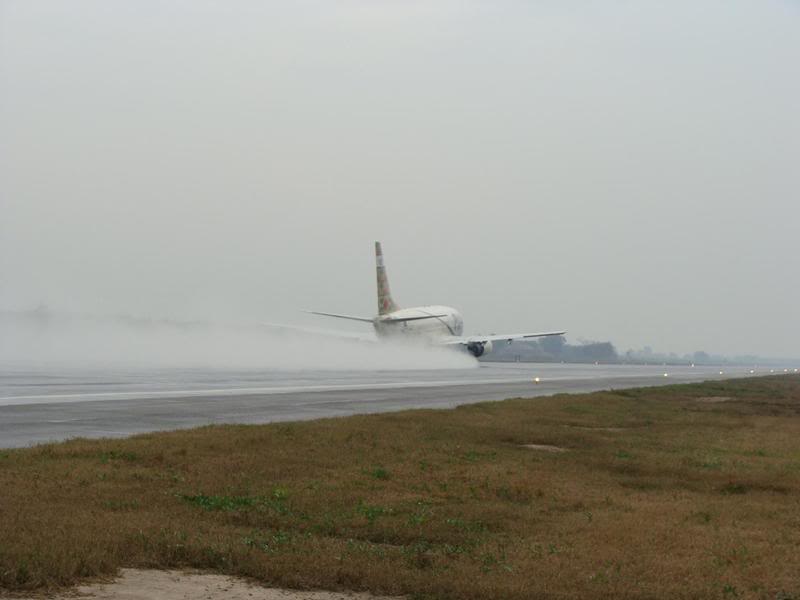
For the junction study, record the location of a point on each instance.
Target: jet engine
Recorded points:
(479, 348)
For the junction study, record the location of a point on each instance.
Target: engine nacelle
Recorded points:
(479, 348)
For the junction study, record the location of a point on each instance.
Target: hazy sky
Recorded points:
(628, 171)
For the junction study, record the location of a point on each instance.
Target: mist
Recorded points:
(79, 341)
(622, 171)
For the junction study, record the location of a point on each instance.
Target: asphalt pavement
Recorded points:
(38, 407)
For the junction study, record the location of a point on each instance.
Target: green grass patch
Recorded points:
(222, 502)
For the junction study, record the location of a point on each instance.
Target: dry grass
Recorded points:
(659, 495)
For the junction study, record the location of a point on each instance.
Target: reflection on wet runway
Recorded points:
(39, 405)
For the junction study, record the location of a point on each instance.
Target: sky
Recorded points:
(626, 171)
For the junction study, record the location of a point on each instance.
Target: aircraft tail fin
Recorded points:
(385, 302)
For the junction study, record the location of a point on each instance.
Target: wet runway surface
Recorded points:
(39, 405)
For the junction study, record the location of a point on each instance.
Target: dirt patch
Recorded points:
(713, 399)
(544, 447)
(586, 428)
(139, 584)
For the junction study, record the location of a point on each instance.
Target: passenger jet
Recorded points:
(438, 325)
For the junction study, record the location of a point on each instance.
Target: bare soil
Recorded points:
(151, 584)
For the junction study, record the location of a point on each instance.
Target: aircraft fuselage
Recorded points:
(438, 323)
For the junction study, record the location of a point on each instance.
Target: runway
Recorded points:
(39, 405)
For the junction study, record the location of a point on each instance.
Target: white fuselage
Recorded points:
(446, 324)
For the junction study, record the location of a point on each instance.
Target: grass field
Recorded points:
(685, 491)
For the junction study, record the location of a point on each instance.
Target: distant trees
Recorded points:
(701, 357)
(590, 352)
(553, 345)
(554, 349)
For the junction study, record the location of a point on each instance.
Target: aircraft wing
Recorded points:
(507, 337)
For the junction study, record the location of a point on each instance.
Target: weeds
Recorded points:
(268, 543)
(734, 488)
(379, 473)
(117, 455)
(372, 512)
(228, 503)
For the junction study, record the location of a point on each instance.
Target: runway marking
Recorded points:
(264, 390)
(101, 396)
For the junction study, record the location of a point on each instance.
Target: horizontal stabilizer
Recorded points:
(349, 317)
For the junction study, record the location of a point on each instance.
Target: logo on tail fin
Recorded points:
(385, 302)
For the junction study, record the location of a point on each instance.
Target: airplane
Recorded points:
(437, 325)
